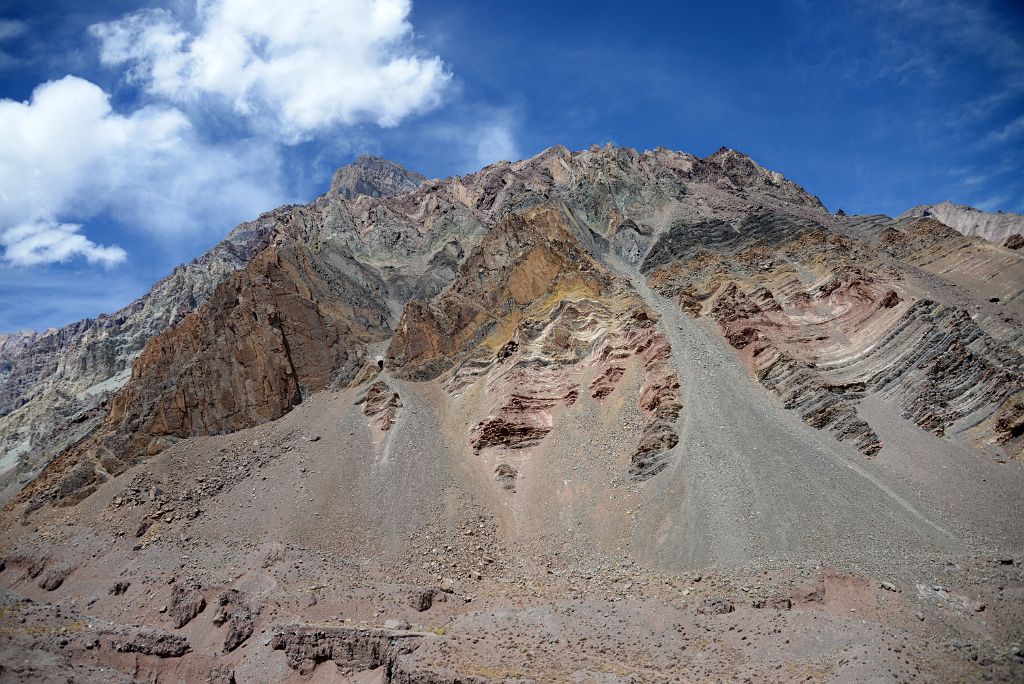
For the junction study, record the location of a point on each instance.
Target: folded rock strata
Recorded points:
(823, 319)
(499, 278)
(529, 313)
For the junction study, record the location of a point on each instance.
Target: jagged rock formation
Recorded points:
(268, 336)
(529, 310)
(997, 227)
(59, 381)
(373, 177)
(722, 235)
(823, 319)
(358, 649)
(55, 385)
(409, 247)
(590, 407)
(380, 405)
(353, 649)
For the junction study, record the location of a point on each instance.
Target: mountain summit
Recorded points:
(595, 416)
(373, 177)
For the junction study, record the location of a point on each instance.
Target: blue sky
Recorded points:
(135, 135)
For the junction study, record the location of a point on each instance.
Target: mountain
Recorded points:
(54, 386)
(997, 227)
(373, 177)
(592, 416)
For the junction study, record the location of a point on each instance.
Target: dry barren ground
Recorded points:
(310, 550)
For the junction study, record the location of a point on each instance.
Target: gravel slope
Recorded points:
(759, 483)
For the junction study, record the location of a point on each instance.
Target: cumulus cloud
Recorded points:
(293, 69)
(47, 242)
(66, 153)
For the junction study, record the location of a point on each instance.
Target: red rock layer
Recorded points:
(380, 405)
(823, 319)
(529, 313)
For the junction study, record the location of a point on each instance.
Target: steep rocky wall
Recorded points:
(530, 316)
(414, 245)
(55, 387)
(286, 325)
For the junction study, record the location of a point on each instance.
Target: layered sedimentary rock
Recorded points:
(995, 227)
(381, 405)
(501, 280)
(531, 312)
(469, 429)
(823, 319)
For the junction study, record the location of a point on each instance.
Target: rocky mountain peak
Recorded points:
(373, 177)
(742, 173)
(651, 389)
(997, 227)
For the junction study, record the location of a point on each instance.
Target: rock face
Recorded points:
(529, 311)
(503, 285)
(995, 227)
(590, 416)
(373, 177)
(357, 650)
(151, 642)
(381, 404)
(348, 647)
(186, 603)
(55, 385)
(821, 320)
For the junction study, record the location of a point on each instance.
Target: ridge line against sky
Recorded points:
(138, 134)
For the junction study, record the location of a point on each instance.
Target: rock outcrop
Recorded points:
(530, 310)
(380, 405)
(824, 319)
(373, 177)
(593, 415)
(500, 281)
(349, 647)
(356, 650)
(55, 385)
(996, 227)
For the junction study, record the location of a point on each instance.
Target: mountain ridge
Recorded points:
(593, 407)
(998, 227)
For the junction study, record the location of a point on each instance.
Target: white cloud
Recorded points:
(67, 155)
(47, 242)
(293, 69)
(495, 143)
